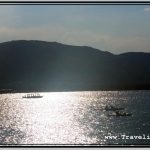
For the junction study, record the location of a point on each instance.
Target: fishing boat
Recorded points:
(119, 114)
(35, 95)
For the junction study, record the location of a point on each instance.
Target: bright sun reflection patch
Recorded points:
(52, 120)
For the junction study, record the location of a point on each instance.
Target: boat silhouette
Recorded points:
(119, 114)
(32, 96)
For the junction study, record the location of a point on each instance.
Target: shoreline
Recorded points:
(9, 91)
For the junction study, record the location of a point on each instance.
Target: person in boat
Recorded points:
(106, 107)
(118, 113)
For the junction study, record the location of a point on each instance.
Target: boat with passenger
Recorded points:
(32, 95)
(118, 114)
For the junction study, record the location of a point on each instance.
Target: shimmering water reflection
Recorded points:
(72, 117)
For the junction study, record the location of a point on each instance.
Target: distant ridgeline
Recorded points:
(51, 66)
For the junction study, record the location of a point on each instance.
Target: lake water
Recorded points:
(75, 118)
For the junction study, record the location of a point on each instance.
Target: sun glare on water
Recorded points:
(53, 120)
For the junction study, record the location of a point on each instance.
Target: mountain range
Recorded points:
(51, 66)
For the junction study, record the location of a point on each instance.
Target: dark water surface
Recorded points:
(75, 118)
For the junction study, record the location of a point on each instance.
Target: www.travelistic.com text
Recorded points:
(127, 137)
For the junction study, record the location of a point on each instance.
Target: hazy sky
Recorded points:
(114, 28)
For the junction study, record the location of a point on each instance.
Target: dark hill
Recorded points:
(51, 66)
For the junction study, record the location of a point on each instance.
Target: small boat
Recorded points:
(118, 114)
(32, 96)
(112, 108)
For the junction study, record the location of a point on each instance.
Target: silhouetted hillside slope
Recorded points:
(51, 66)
